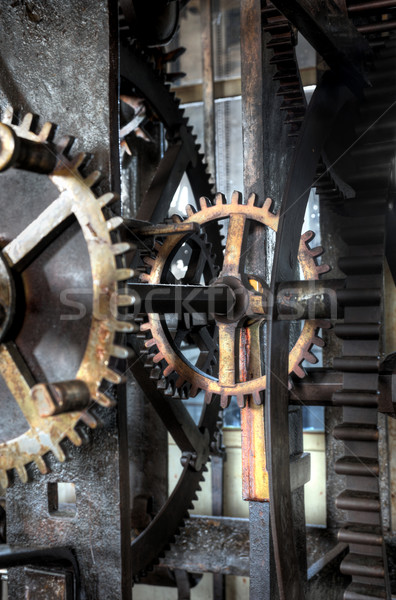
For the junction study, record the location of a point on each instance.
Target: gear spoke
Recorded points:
(227, 358)
(21, 246)
(233, 250)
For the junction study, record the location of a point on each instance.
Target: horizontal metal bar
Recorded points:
(179, 299)
(295, 300)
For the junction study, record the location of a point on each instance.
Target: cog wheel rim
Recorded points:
(76, 198)
(176, 363)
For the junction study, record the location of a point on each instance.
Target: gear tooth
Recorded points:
(114, 223)
(318, 251)
(203, 202)
(64, 145)
(7, 118)
(113, 377)
(73, 436)
(169, 390)
(220, 199)
(177, 219)
(311, 358)
(194, 390)
(119, 352)
(190, 210)
(208, 397)
(47, 132)
(267, 204)
(236, 197)
(92, 178)
(150, 343)
(104, 400)
(168, 370)
(149, 261)
(27, 122)
(145, 327)
(257, 398)
(252, 200)
(299, 371)
(158, 357)
(162, 383)
(144, 277)
(307, 236)
(22, 472)
(58, 452)
(155, 373)
(40, 464)
(321, 269)
(318, 341)
(88, 419)
(125, 326)
(124, 274)
(224, 400)
(4, 480)
(80, 160)
(241, 400)
(179, 381)
(149, 362)
(125, 300)
(122, 248)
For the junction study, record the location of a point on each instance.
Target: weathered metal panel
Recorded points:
(59, 60)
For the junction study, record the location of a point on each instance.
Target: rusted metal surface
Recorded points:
(216, 545)
(41, 584)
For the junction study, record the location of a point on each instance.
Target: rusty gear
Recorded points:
(75, 199)
(166, 350)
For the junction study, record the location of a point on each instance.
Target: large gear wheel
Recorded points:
(48, 428)
(167, 351)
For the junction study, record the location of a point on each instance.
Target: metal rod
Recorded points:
(21, 153)
(295, 300)
(374, 5)
(179, 299)
(208, 85)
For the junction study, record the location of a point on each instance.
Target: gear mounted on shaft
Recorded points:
(227, 385)
(53, 411)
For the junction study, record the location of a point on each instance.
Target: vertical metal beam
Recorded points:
(267, 158)
(208, 85)
(262, 580)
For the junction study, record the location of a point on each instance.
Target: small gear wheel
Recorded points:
(161, 343)
(53, 409)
